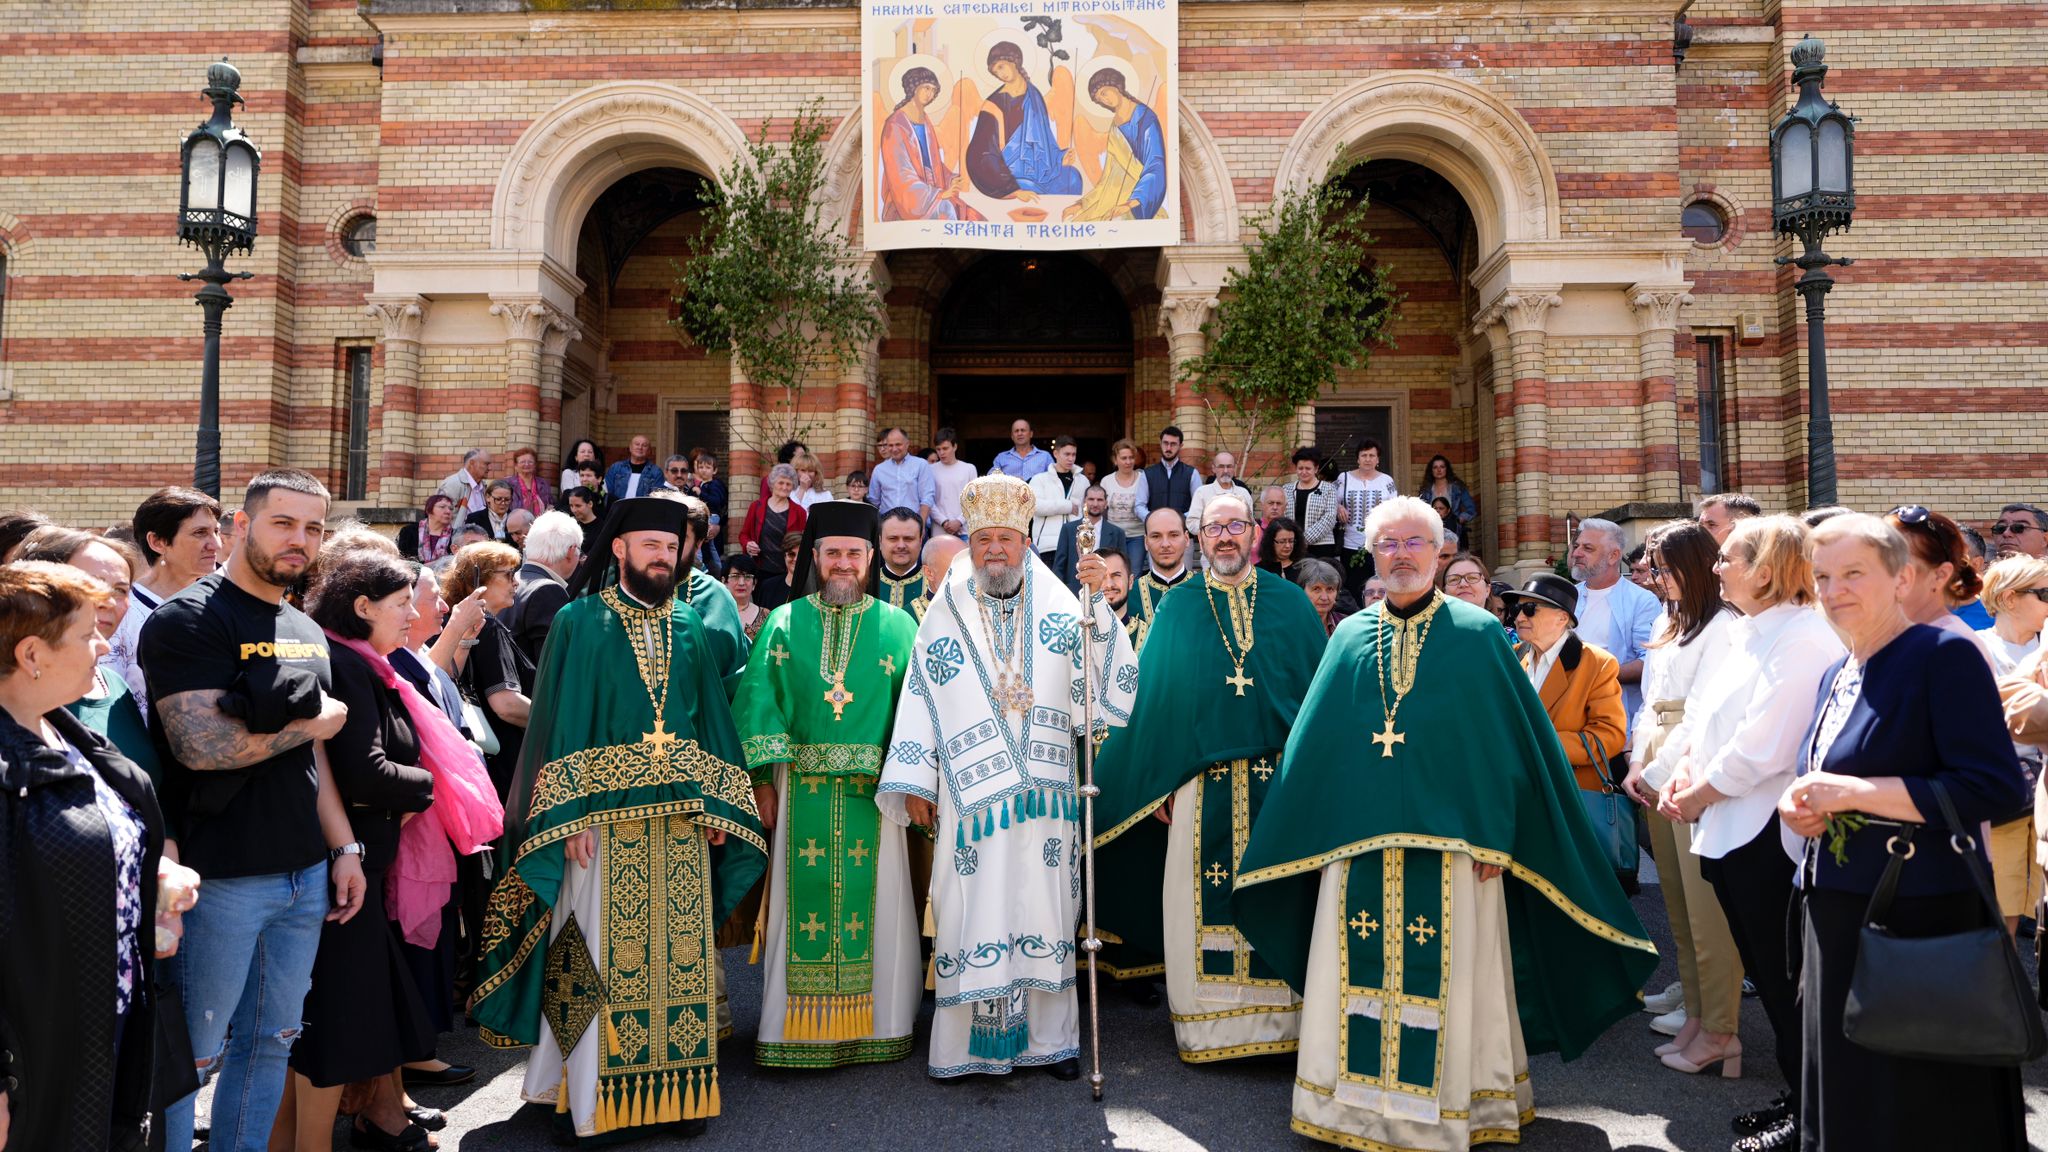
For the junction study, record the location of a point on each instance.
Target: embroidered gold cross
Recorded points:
(854, 926)
(1365, 924)
(1263, 770)
(661, 738)
(812, 927)
(1387, 739)
(859, 852)
(1421, 930)
(838, 697)
(1217, 875)
(888, 664)
(1218, 771)
(810, 853)
(1241, 680)
(778, 654)
(814, 781)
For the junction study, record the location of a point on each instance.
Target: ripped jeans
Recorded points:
(246, 960)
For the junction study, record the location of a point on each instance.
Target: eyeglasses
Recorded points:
(1467, 581)
(1388, 547)
(2040, 594)
(1910, 514)
(2010, 529)
(1234, 527)
(1656, 572)
(1526, 608)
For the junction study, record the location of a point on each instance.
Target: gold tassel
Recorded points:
(562, 1094)
(648, 1109)
(711, 1106)
(605, 1120)
(693, 1105)
(639, 1110)
(671, 1101)
(611, 1035)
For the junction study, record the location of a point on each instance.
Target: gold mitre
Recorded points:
(998, 501)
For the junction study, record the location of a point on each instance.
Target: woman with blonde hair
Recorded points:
(810, 486)
(2016, 595)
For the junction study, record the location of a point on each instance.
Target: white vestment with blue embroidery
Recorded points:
(1006, 875)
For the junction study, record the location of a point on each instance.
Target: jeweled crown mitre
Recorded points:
(998, 501)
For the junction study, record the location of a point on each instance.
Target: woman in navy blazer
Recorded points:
(1909, 706)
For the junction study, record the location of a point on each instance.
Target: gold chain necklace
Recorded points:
(837, 651)
(1013, 691)
(652, 638)
(1243, 607)
(1403, 674)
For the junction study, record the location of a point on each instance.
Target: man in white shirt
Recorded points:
(950, 476)
(1225, 466)
(1614, 614)
(466, 486)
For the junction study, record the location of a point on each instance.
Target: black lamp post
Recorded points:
(216, 214)
(1813, 193)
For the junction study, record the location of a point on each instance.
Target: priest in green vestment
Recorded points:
(1166, 568)
(1424, 875)
(843, 973)
(635, 832)
(902, 576)
(1225, 666)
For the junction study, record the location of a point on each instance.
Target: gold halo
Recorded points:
(1025, 44)
(894, 91)
(1096, 113)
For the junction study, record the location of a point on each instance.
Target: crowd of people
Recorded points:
(343, 791)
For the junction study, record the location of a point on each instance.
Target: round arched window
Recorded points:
(359, 236)
(1704, 222)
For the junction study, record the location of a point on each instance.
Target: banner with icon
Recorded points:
(1020, 124)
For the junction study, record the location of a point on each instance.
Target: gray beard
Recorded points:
(1227, 567)
(1001, 581)
(841, 592)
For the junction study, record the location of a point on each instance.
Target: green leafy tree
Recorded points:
(769, 280)
(1308, 303)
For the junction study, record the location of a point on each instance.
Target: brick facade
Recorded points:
(1555, 364)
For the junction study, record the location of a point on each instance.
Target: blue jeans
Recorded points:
(247, 959)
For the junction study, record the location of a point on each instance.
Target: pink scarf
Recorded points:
(465, 816)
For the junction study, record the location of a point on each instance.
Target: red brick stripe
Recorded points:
(435, 197)
(1978, 82)
(1947, 270)
(432, 133)
(1965, 143)
(1950, 466)
(1631, 53)
(1985, 335)
(179, 103)
(1601, 118)
(1942, 17)
(1973, 205)
(90, 163)
(1922, 401)
(665, 66)
(1616, 185)
(153, 42)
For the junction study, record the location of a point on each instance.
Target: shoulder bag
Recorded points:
(1612, 814)
(1962, 998)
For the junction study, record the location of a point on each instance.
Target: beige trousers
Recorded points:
(1708, 966)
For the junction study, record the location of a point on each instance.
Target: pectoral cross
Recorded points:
(1217, 875)
(1013, 693)
(661, 738)
(859, 853)
(838, 697)
(888, 664)
(811, 852)
(778, 654)
(1387, 739)
(1241, 680)
(1421, 930)
(812, 926)
(1365, 924)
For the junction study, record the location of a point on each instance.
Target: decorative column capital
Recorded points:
(559, 335)
(402, 316)
(1182, 312)
(1528, 309)
(1657, 305)
(529, 318)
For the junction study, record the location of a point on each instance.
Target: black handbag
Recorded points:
(1961, 998)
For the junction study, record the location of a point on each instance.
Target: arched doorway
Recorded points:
(1042, 337)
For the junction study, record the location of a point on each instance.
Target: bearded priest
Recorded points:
(842, 974)
(984, 751)
(1435, 894)
(1221, 678)
(635, 833)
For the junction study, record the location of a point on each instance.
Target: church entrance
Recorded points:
(1044, 338)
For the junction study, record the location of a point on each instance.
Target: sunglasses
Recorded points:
(1526, 608)
(2013, 529)
(2040, 594)
(1910, 514)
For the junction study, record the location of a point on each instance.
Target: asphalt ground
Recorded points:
(1615, 1097)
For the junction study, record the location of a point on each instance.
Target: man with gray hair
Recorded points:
(1618, 616)
(517, 525)
(2021, 530)
(554, 546)
(466, 486)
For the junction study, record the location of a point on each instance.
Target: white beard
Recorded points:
(1000, 580)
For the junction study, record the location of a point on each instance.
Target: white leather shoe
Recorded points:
(1669, 1023)
(1658, 1003)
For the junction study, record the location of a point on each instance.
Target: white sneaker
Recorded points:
(1658, 1003)
(1669, 1024)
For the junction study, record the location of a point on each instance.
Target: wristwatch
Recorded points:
(355, 849)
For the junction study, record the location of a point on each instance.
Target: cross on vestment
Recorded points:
(1218, 771)
(1421, 930)
(660, 738)
(1365, 924)
(811, 853)
(778, 654)
(838, 697)
(1388, 738)
(854, 926)
(812, 926)
(859, 852)
(1263, 770)
(1216, 875)
(888, 664)
(1241, 680)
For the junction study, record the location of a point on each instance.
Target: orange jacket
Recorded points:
(1582, 693)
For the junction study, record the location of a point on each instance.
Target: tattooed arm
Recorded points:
(205, 739)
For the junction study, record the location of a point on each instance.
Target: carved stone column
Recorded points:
(1523, 312)
(1657, 308)
(527, 321)
(1506, 504)
(1182, 312)
(402, 318)
(856, 398)
(745, 427)
(554, 350)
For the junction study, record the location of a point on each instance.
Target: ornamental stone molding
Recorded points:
(532, 320)
(403, 317)
(569, 156)
(1182, 312)
(1519, 311)
(1462, 132)
(1657, 308)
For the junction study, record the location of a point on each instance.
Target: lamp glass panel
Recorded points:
(238, 190)
(202, 174)
(1795, 160)
(1834, 157)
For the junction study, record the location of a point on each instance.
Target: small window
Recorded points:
(356, 480)
(1704, 223)
(359, 236)
(1711, 375)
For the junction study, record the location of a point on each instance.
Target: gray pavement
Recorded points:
(1616, 1097)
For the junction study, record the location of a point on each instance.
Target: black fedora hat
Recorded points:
(1551, 589)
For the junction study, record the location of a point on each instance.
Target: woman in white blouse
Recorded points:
(1689, 648)
(1741, 750)
(810, 488)
(2016, 595)
(1130, 499)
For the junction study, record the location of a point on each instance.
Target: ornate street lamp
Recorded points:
(1813, 193)
(217, 215)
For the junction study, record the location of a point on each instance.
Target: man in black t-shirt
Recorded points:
(238, 685)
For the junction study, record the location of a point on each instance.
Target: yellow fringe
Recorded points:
(711, 1106)
(693, 1105)
(562, 1094)
(611, 1036)
(605, 1119)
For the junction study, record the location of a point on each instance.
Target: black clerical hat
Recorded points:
(639, 514)
(1549, 588)
(838, 518)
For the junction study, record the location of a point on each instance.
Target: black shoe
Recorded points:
(446, 1078)
(432, 1119)
(363, 1134)
(1068, 1069)
(1750, 1123)
(1142, 993)
(1780, 1137)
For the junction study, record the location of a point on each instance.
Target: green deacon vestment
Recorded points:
(1195, 722)
(842, 970)
(630, 737)
(1472, 768)
(900, 592)
(1147, 593)
(722, 627)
